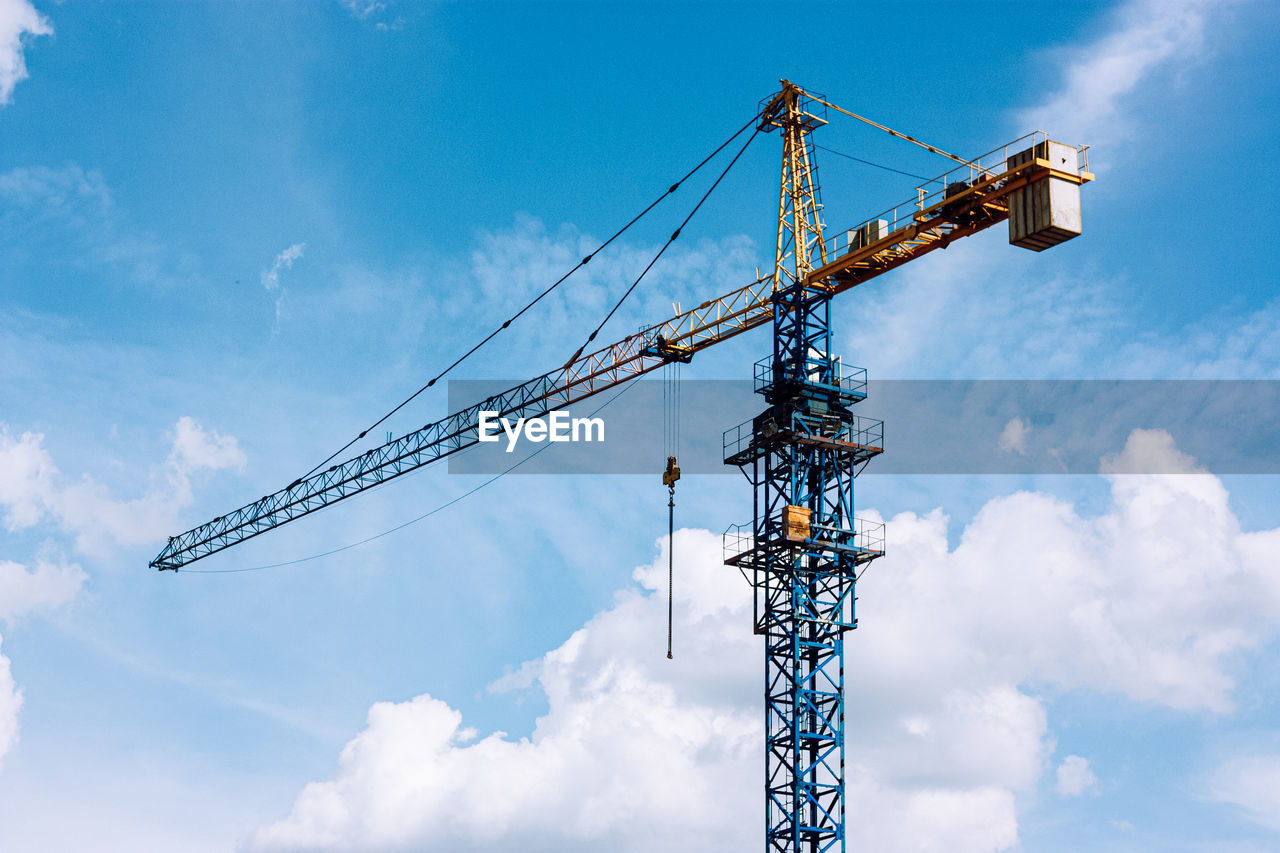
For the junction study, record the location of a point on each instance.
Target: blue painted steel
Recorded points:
(804, 451)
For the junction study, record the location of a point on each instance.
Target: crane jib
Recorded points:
(982, 203)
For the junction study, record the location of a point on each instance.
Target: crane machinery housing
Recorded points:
(804, 549)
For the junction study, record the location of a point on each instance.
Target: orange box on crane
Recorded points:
(796, 524)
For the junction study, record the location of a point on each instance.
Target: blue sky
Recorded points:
(231, 234)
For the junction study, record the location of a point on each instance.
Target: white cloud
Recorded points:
(48, 585)
(284, 260)
(22, 590)
(1013, 439)
(271, 275)
(30, 492)
(363, 9)
(26, 487)
(1150, 600)
(930, 820)
(1075, 776)
(1149, 36)
(18, 19)
(10, 705)
(30, 495)
(1253, 783)
(631, 735)
(195, 449)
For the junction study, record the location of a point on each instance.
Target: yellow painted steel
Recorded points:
(982, 205)
(929, 226)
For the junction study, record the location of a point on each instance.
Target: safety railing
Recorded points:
(737, 540)
(818, 370)
(866, 536)
(738, 438)
(989, 165)
(863, 432)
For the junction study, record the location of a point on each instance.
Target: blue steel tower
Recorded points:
(804, 548)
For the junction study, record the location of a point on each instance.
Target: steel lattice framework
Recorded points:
(804, 546)
(803, 452)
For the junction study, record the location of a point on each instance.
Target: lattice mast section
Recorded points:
(804, 547)
(799, 241)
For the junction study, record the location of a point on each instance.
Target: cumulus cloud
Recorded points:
(26, 487)
(1253, 783)
(10, 705)
(1148, 36)
(47, 585)
(945, 728)
(631, 735)
(19, 21)
(195, 449)
(31, 491)
(1151, 600)
(1075, 776)
(23, 590)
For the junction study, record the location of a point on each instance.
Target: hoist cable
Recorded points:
(586, 260)
(675, 234)
(671, 560)
(402, 526)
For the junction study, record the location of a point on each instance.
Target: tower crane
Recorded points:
(804, 549)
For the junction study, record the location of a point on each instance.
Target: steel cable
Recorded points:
(586, 260)
(675, 234)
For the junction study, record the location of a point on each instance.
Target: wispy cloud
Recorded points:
(1251, 782)
(271, 275)
(363, 9)
(1148, 37)
(44, 208)
(19, 20)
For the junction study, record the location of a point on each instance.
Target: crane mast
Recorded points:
(804, 549)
